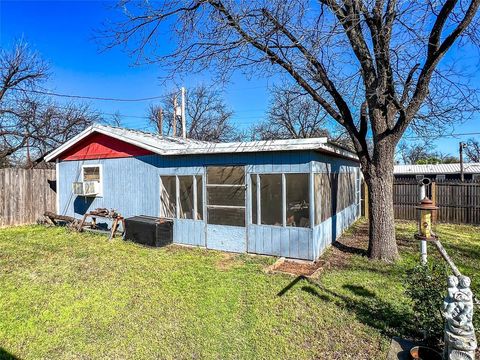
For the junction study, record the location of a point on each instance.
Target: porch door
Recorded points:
(225, 205)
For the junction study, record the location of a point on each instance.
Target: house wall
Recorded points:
(132, 187)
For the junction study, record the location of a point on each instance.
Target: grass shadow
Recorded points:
(5, 355)
(349, 249)
(368, 308)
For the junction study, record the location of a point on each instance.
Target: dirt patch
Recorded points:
(297, 268)
(226, 261)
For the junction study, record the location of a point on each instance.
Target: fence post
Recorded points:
(434, 200)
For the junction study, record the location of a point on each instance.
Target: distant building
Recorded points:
(438, 172)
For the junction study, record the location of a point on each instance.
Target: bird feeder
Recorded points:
(425, 223)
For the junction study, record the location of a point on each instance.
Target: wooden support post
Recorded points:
(80, 226)
(365, 199)
(445, 256)
(114, 228)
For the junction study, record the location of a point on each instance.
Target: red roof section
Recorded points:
(100, 146)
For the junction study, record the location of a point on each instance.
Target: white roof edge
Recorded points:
(191, 147)
(422, 169)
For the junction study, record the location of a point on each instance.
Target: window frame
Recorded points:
(100, 173)
(195, 181)
(257, 197)
(209, 186)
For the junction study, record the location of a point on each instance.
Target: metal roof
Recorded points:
(468, 168)
(166, 145)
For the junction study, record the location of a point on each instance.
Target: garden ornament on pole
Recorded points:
(459, 333)
(425, 231)
(422, 187)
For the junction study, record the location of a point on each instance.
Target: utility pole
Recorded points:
(462, 176)
(160, 121)
(184, 127)
(175, 116)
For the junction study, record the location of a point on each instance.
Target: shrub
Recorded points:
(426, 286)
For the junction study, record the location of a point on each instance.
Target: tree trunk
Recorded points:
(379, 178)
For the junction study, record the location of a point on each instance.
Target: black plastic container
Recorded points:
(148, 230)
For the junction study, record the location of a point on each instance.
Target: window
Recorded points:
(93, 173)
(440, 178)
(226, 195)
(476, 177)
(190, 197)
(298, 207)
(168, 196)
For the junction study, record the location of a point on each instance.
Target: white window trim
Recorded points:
(100, 168)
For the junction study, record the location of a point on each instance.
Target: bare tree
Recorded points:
(292, 115)
(20, 70)
(208, 117)
(30, 124)
(473, 150)
(423, 153)
(415, 152)
(376, 67)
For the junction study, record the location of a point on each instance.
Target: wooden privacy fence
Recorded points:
(458, 202)
(25, 195)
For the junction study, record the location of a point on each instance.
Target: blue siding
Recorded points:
(279, 241)
(189, 232)
(227, 238)
(331, 229)
(132, 186)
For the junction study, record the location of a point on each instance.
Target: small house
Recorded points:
(438, 172)
(288, 198)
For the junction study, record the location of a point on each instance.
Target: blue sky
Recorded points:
(62, 32)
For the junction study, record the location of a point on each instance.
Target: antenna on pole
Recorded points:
(175, 116)
(184, 127)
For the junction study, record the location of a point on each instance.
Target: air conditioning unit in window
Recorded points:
(86, 188)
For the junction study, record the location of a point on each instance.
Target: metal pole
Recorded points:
(175, 116)
(423, 243)
(462, 177)
(184, 129)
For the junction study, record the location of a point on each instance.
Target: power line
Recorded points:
(442, 135)
(87, 97)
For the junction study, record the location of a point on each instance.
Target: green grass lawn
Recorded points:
(68, 295)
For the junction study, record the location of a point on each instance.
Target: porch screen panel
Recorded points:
(271, 199)
(298, 207)
(346, 190)
(253, 195)
(199, 198)
(168, 196)
(186, 205)
(323, 197)
(226, 195)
